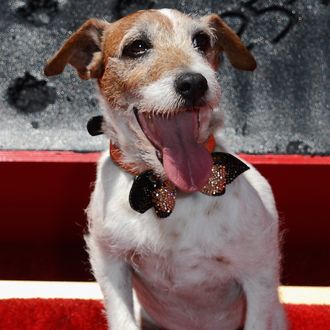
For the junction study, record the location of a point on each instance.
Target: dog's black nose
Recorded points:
(191, 86)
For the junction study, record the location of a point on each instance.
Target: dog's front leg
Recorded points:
(264, 311)
(117, 291)
(114, 278)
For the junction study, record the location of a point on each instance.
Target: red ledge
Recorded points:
(91, 157)
(26, 156)
(271, 159)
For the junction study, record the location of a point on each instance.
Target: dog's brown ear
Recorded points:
(82, 50)
(229, 42)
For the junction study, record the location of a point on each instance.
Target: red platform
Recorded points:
(44, 194)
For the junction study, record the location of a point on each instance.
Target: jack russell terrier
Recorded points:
(182, 234)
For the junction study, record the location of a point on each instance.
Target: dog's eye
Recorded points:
(136, 48)
(201, 41)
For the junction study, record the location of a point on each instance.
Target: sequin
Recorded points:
(163, 199)
(216, 185)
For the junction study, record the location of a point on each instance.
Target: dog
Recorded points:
(179, 238)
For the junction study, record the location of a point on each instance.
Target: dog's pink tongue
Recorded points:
(187, 163)
(189, 172)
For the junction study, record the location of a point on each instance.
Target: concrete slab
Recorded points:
(283, 107)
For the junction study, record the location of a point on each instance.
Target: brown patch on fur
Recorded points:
(123, 76)
(111, 82)
(171, 59)
(116, 32)
(222, 260)
(79, 51)
(112, 87)
(229, 42)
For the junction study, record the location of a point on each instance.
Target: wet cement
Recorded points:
(283, 107)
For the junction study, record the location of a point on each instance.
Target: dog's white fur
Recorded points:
(214, 263)
(200, 264)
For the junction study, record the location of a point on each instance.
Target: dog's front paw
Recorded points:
(277, 321)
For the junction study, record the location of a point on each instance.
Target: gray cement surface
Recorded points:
(283, 107)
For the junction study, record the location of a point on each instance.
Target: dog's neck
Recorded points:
(117, 157)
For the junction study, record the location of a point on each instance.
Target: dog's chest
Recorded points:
(189, 245)
(186, 250)
(180, 271)
(185, 281)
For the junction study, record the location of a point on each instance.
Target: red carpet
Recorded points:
(75, 314)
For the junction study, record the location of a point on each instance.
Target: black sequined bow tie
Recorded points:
(149, 190)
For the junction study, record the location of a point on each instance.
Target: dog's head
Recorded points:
(156, 71)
